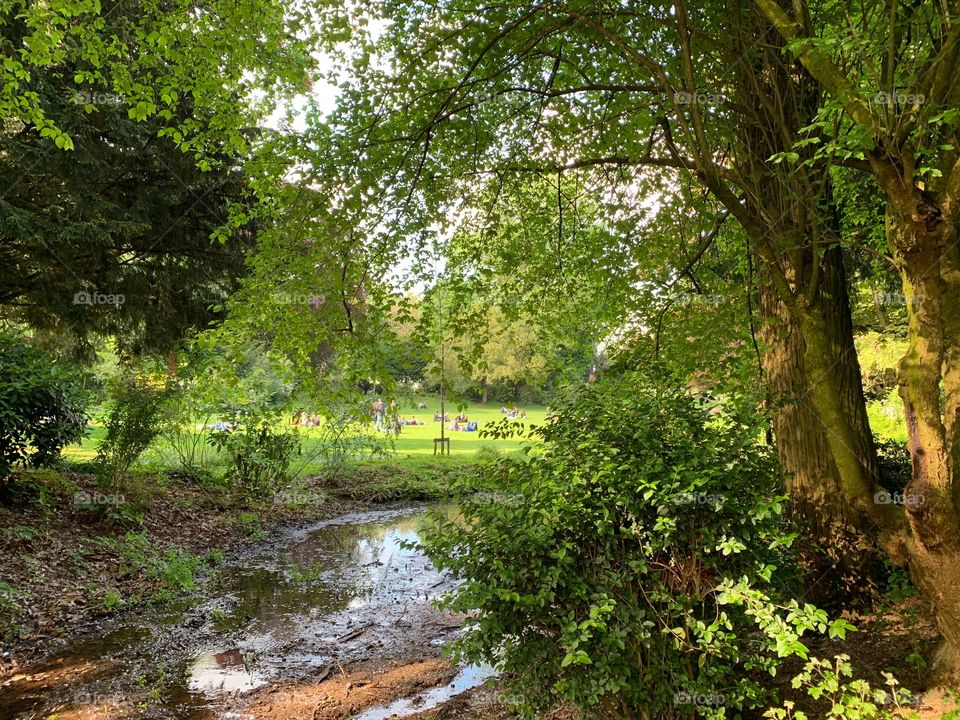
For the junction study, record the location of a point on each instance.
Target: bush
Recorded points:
(133, 423)
(186, 432)
(260, 457)
(344, 436)
(42, 406)
(837, 696)
(627, 565)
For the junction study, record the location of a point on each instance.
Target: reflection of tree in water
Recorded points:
(346, 563)
(346, 539)
(268, 595)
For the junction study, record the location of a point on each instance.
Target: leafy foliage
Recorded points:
(842, 698)
(260, 456)
(153, 58)
(895, 464)
(42, 405)
(113, 238)
(133, 423)
(624, 564)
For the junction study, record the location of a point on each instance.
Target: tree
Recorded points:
(114, 237)
(900, 118)
(500, 357)
(122, 128)
(580, 95)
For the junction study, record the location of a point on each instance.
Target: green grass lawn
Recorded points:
(414, 445)
(417, 440)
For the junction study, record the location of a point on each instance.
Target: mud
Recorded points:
(324, 622)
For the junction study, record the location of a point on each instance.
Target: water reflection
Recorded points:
(338, 591)
(469, 677)
(228, 671)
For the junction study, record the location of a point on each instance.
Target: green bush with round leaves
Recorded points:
(42, 405)
(628, 564)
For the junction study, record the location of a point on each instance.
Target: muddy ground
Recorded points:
(55, 551)
(313, 618)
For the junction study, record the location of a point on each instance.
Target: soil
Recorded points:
(350, 692)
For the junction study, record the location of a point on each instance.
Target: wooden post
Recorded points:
(443, 439)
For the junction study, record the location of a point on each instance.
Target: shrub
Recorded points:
(840, 697)
(42, 405)
(133, 423)
(627, 564)
(259, 456)
(343, 437)
(186, 432)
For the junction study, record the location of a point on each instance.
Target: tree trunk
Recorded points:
(922, 223)
(929, 389)
(844, 552)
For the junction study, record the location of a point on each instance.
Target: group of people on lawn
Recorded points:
(514, 413)
(386, 418)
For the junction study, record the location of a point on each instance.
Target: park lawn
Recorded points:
(417, 440)
(414, 445)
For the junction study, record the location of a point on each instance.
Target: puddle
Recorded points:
(310, 600)
(469, 677)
